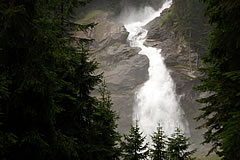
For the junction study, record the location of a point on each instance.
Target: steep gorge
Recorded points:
(125, 71)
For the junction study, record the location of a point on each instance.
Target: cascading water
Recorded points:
(156, 101)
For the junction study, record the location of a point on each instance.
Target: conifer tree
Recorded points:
(46, 77)
(222, 69)
(178, 147)
(158, 152)
(106, 138)
(133, 145)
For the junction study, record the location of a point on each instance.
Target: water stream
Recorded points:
(156, 102)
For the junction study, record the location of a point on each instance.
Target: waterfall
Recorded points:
(156, 102)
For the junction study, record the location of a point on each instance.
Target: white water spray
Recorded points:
(156, 101)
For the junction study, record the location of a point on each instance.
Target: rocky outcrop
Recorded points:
(183, 63)
(124, 69)
(124, 72)
(177, 53)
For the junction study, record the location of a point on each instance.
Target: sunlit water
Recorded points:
(156, 102)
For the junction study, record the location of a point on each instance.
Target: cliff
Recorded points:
(125, 70)
(183, 62)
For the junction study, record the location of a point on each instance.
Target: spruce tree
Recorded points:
(133, 145)
(46, 77)
(105, 136)
(222, 79)
(158, 152)
(178, 147)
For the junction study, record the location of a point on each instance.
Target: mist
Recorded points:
(156, 102)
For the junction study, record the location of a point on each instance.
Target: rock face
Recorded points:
(125, 70)
(176, 52)
(183, 63)
(156, 4)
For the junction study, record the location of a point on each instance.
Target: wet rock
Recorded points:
(124, 69)
(124, 72)
(183, 63)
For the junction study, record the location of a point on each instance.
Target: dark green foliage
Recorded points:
(178, 147)
(46, 77)
(222, 81)
(158, 152)
(189, 22)
(106, 138)
(133, 145)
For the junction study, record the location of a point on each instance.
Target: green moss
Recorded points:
(90, 16)
(181, 67)
(202, 156)
(168, 18)
(114, 65)
(117, 44)
(211, 157)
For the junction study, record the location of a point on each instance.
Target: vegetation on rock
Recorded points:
(186, 17)
(46, 79)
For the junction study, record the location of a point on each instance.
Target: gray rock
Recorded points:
(183, 63)
(125, 71)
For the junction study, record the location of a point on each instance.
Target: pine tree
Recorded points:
(222, 105)
(133, 146)
(105, 136)
(158, 152)
(178, 147)
(46, 77)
